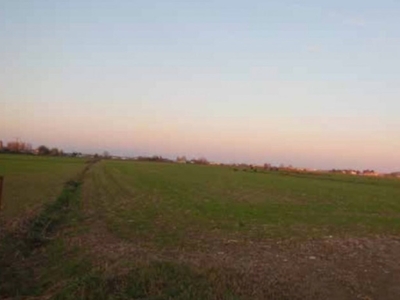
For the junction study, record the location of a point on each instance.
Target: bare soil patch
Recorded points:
(329, 268)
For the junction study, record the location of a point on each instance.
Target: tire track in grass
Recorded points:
(24, 246)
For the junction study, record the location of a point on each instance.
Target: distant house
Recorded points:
(181, 160)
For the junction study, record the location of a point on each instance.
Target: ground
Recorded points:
(163, 231)
(30, 181)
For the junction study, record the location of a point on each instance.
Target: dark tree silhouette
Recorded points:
(43, 150)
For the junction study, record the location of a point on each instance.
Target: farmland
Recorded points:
(167, 202)
(142, 230)
(31, 181)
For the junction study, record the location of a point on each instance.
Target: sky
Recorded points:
(309, 83)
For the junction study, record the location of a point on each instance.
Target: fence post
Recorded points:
(1, 191)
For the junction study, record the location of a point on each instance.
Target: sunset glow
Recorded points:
(313, 85)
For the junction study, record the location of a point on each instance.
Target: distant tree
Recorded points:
(368, 171)
(267, 166)
(43, 150)
(28, 147)
(13, 146)
(106, 154)
(54, 152)
(200, 161)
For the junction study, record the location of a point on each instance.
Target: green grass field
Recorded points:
(171, 203)
(31, 181)
(140, 230)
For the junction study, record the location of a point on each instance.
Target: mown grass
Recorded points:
(170, 203)
(30, 181)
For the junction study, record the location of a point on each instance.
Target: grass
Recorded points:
(30, 181)
(35, 261)
(21, 246)
(169, 203)
(139, 230)
(153, 281)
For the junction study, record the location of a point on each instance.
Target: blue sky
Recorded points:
(298, 82)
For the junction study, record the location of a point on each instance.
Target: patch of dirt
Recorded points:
(329, 268)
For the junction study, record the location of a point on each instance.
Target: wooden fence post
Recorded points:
(1, 191)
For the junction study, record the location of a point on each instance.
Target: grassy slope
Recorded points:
(31, 181)
(169, 203)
